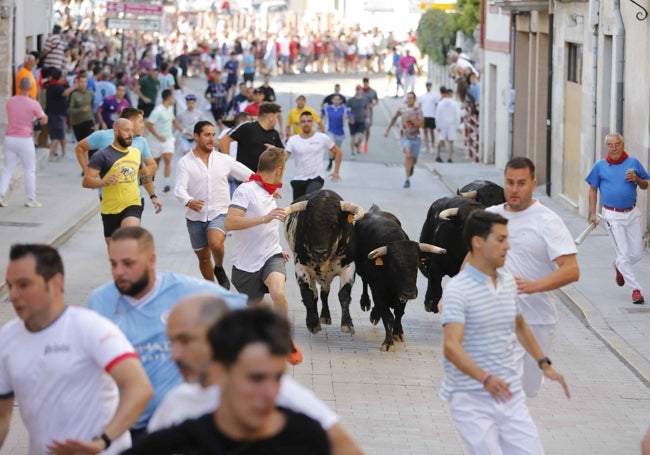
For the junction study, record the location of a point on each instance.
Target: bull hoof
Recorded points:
(365, 303)
(314, 329)
(387, 347)
(347, 329)
(374, 320)
(325, 320)
(431, 307)
(398, 337)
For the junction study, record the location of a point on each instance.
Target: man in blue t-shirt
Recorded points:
(618, 176)
(335, 115)
(139, 300)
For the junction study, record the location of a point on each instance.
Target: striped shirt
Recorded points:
(55, 49)
(488, 314)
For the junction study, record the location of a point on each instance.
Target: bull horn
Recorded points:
(297, 207)
(428, 248)
(445, 214)
(381, 251)
(353, 208)
(469, 194)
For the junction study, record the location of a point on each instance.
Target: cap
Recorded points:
(190, 97)
(359, 87)
(258, 90)
(428, 84)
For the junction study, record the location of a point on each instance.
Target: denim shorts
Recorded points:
(198, 231)
(412, 144)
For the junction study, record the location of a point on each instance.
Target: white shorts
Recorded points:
(159, 148)
(488, 427)
(447, 133)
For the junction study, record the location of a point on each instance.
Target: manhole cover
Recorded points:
(637, 310)
(18, 224)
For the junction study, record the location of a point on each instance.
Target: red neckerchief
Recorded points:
(271, 188)
(618, 161)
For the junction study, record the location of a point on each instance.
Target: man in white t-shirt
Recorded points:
(308, 149)
(202, 186)
(161, 124)
(64, 365)
(187, 327)
(542, 257)
(257, 257)
(429, 103)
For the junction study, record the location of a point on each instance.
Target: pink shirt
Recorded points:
(21, 111)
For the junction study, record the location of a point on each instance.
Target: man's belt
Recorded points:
(614, 209)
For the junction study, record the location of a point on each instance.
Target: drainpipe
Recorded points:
(619, 45)
(549, 101)
(594, 22)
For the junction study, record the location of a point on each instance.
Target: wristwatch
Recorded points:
(544, 360)
(104, 437)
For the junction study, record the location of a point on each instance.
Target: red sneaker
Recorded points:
(365, 147)
(619, 278)
(637, 297)
(295, 356)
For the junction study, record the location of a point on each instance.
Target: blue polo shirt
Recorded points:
(615, 191)
(335, 119)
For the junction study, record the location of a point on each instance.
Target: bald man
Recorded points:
(187, 327)
(115, 170)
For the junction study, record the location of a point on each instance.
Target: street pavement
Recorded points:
(388, 401)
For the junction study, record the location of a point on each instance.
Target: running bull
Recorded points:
(444, 227)
(388, 262)
(484, 192)
(320, 231)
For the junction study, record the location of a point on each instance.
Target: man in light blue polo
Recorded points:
(481, 322)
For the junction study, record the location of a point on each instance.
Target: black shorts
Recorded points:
(217, 113)
(231, 83)
(83, 130)
(56, 124)
(249, 77)
(113, 221)
(430, 123)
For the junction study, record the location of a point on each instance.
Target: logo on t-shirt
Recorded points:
(164, 316)
(56, 348)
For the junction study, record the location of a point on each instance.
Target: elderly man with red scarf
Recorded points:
(254, 218)
(618, 176)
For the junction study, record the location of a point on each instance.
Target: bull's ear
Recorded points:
(379, 261)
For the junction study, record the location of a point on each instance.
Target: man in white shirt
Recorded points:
(308, 149)
(202, 186)
(188, 118)
(64, 365)
(429, 103)
(257, 256)
(187, 327)
(447, 122)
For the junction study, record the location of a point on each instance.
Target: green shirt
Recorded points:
(78, 100)
(149, 88)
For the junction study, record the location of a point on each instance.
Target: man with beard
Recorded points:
(187, 328)
(115, 170)
(139, 301)
(202, 186)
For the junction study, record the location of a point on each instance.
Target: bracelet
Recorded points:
(154, 195)
(486, 378)
(104, 437)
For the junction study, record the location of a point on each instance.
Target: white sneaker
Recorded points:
(33, 204)
(3, 203)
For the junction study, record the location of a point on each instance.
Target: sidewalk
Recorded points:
(603, 307)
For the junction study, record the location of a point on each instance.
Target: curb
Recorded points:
(590, 318)
(63, 237)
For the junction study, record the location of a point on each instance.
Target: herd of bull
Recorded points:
(331, 237)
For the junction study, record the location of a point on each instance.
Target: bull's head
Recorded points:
(402, 259)
(325, 224)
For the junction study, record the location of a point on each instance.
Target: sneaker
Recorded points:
(3, 203)
(637, 297)
(295, 356)
(439, 160)
(166, 189)
(449, 160)
(619, 277)
(33, 203)
(222, 278)
(407, 184)
(365, 147)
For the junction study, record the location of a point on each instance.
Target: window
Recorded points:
(574, 63)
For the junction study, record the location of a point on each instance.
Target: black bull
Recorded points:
(388, 261)
(319, 230)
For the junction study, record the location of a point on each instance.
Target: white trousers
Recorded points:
(409, 83)
(625, 231)
(19, 148)
(531, 375)
(491, 428)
